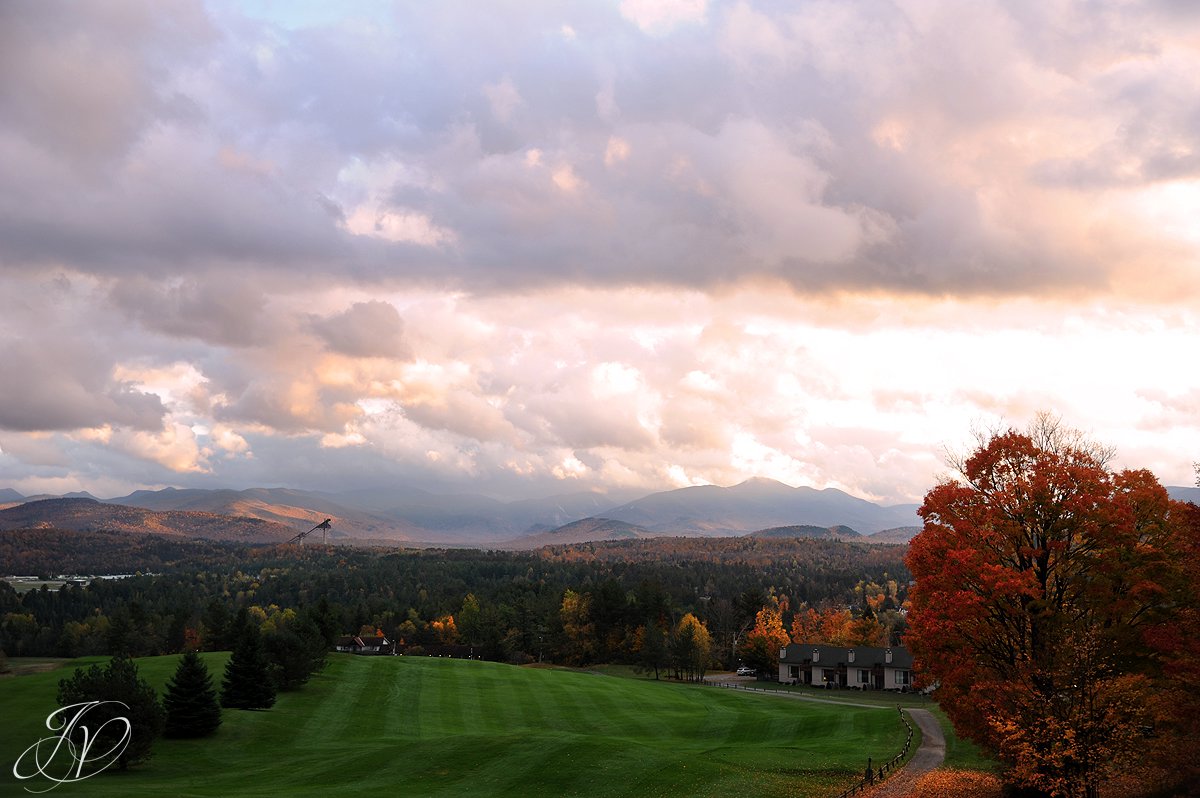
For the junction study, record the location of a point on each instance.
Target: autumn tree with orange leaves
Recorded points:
(1041, 575)
(691, 649)
(760, 649)
(837, 626)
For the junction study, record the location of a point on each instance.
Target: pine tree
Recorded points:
(191, 701)
(216, 623)
(118, 682)
(247, 683)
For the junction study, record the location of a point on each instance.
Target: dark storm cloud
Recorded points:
(219, 310)
(365, 329)
(84, 81)
(62, 386)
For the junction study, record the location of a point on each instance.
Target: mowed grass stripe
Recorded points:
(330, 719)
(511, 714)
(621, 711)
(539, 692)
(475, 712)
(402, 703)
(520, 698)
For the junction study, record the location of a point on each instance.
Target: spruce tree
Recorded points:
(247, 683)
(190, 700)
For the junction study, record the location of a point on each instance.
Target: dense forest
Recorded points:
(591, 602)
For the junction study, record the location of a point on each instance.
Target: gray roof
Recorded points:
(832, 656)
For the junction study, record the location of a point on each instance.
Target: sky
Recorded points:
(526, 248)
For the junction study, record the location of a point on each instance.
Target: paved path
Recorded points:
(929, 756)
(748, 690)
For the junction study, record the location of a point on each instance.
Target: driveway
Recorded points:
(929, 756)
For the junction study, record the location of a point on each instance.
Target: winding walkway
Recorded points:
(929, 756)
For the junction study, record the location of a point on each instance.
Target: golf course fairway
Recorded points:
(415, 726)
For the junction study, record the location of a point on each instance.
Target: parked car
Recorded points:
(746, 670)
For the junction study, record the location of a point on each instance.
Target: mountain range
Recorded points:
(415, 516)
(404, 515)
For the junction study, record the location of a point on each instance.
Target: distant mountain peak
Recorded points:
(585, 530)
(758, 483)
(836, 532)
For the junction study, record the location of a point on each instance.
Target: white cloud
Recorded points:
(174, 448)
(503, 98)
(403, 226)
(565, 178)
(659, 17)
(615, 151)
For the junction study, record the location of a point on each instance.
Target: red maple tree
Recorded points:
(1041, 575)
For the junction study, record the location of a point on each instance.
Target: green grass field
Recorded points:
(961, 753)
(418, 727)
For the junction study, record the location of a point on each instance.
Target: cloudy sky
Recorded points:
(528, 247)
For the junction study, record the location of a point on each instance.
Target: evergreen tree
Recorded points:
(326, 620)
(652, 652)
(118, 682)
(296, 651)
(120, 633)
(190, 700)
(216, 621)
(247, 683)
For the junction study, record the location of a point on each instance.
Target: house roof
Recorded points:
(832, 656)
(374, 640)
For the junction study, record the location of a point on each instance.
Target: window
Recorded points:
(864, 676)
(850, 655)
(887, 655)
(904, 677)
(794, 672)
(816, 655)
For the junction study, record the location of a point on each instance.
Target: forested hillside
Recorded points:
(89, 514)
(581, 603)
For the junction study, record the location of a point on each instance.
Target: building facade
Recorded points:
(859, 667)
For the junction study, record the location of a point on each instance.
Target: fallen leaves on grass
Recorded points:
(956, 784)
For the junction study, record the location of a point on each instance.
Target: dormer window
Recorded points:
(850, 655)
(816, 655)
(783, 653)
(887, 655)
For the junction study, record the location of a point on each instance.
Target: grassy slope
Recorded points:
(420, 726)
(961, 753)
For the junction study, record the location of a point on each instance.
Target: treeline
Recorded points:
(50, 552)
(123, 712)
(579, 604)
